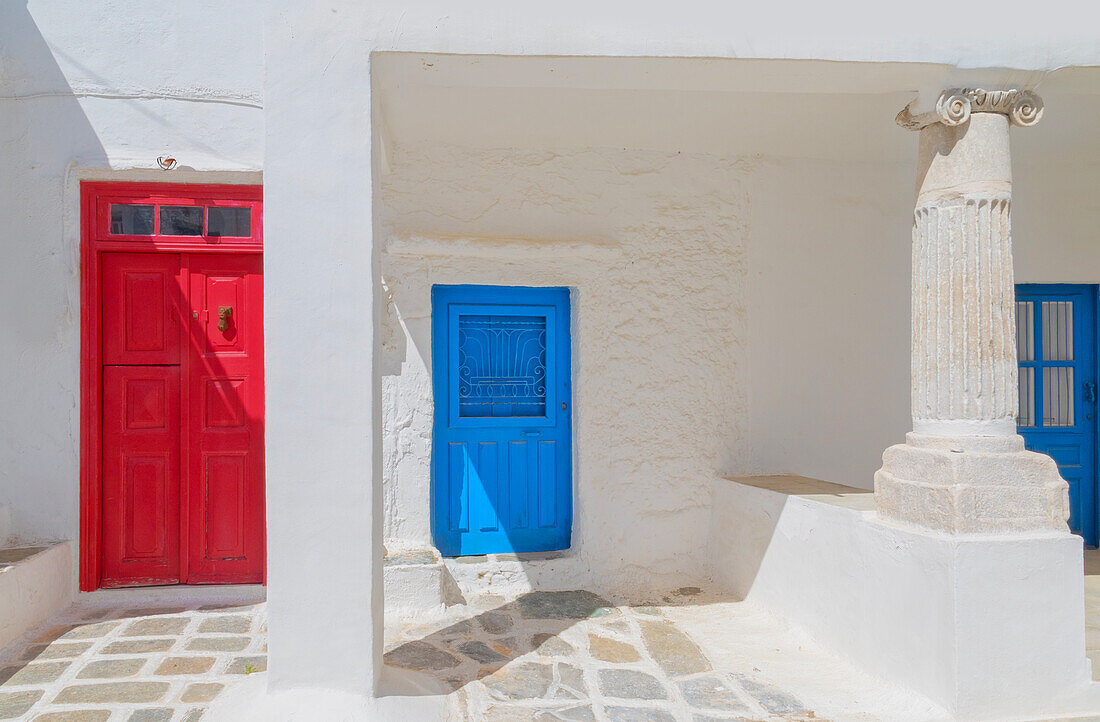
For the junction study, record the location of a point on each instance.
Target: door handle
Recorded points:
(224, 312)
(1090, 392)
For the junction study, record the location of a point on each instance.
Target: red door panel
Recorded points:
(141, 308)
(224, 425)
(141, 481)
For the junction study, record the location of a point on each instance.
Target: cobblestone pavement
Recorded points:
(137, 665)
(544, 656)
(575, 656)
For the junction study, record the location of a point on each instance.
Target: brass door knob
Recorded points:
(224, 312)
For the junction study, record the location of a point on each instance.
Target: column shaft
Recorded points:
(964, 353)
(964, 368)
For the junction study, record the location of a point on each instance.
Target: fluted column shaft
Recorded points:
(964, 330)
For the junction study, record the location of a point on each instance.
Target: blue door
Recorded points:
(502, 450)
(1056, 348)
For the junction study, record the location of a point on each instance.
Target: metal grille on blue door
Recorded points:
(501, 365)
(502, 470)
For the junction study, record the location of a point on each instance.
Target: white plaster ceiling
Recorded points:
(796, 109)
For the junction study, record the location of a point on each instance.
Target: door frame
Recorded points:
(1090, 526)
(95, 240)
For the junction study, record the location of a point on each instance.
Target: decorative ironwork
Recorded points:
(501, 366)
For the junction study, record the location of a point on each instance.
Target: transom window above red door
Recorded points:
(163, 214)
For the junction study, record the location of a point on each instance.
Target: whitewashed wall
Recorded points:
(652, 246)
(87, 87)
(829, 253)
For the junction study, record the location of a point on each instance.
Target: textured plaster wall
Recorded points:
(653, 247)
(91, 90)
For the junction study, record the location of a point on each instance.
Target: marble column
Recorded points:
(964, 467)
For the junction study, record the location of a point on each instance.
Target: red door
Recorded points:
(182, 424)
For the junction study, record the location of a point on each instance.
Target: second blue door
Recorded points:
(501, 454)
(1056, 349)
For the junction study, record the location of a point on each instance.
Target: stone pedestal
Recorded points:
(964, 468)
(987, 626)
(963, 484)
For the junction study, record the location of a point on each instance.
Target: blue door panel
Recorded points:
(1056, 347)
(518, 452)
(502, 451)
(547, 474)
(458, 490)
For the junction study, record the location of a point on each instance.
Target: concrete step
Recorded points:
(414, 582)
(35, 582)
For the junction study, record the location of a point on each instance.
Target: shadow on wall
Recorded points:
(44, 126)
(43, 131)
(395, 350)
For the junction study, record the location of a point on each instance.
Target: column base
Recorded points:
(968, 484)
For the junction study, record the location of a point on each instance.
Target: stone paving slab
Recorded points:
(111, 668)
(96, 664)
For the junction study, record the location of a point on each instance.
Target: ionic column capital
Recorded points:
(955, 105)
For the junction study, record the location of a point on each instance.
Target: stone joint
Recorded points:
(954, 107)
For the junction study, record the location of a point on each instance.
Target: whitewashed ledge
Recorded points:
(825, 492)
(35, 583)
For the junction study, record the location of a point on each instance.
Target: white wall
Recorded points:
(1056, 221)
(829, 258)
(652, 246)
(86, 87)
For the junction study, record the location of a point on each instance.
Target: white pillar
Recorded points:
(323, 430)
(964, 467)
